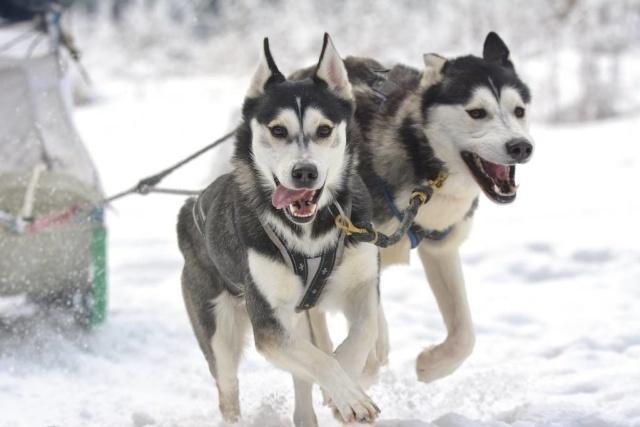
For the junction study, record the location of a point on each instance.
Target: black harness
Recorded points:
(381, 86)
(313, 271)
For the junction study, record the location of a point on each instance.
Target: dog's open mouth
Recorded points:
(300, 204)
(496, 180)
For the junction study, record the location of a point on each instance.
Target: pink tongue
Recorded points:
(283, 196)
(497, 171)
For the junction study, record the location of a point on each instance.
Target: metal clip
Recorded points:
(439, 181)
(345, 224)
(421, 196)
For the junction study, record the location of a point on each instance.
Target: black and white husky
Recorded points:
(465, 117)
(260, 244)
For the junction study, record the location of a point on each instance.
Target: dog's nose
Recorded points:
(304, 175)
(519, 149)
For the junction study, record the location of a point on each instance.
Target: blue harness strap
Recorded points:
(415, 233)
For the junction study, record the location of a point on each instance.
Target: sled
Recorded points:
(52, 231)
(62, 261)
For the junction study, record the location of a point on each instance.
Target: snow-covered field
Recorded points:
(553, 281)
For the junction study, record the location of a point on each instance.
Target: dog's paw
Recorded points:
(231, 417)
(230, 410)
(354, 407)
(305, 419)
(440, 360)
(326, 399)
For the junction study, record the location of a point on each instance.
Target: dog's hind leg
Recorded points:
(444, 273)
(227, 344)
(219, 323)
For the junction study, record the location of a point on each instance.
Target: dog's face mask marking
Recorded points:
(480, 107)
(299, 133)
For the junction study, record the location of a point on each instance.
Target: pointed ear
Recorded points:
(495, 50)
(332, 71)
(266, 73)
(434, 66)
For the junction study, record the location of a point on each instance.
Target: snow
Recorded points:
(552, 281)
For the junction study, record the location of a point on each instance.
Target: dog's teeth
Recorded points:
(296, 207)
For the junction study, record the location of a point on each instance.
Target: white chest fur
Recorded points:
(282, 288)
(359, 267)
(277, 283)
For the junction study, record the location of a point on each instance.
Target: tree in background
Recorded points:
(580, 56)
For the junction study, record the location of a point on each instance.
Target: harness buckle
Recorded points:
(344, 223)
(421, 196)
(439, 181)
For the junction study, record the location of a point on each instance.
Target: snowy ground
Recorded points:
(553, 283)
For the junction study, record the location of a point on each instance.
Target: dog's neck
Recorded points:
(302, 238)
(317, 236)
(307, 239)
(449, 203)
(460, 184)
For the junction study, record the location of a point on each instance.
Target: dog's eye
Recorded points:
(477, 113)
(278, 131)
(519, 112)
(324, 131)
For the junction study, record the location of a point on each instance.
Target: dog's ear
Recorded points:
(495, 50)
(266, 74)
(433, 69)
(332, 71)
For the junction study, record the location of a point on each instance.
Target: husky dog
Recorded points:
(465, 117)
(260, 244)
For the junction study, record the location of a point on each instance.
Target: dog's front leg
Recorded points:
(320, 337)
(319, 330)
(275, 335)
(377, 356)
(444, 273)
(311, 364)
(361, 311)
(303, 414)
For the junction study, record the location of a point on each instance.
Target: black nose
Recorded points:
(304, 175)
(519, 149)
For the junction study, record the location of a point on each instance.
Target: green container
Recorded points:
(98, 307)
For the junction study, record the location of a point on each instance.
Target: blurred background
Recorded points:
(552, 279)
(579, 56)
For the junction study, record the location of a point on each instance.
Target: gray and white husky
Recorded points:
(260, 244)
(466, 117)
